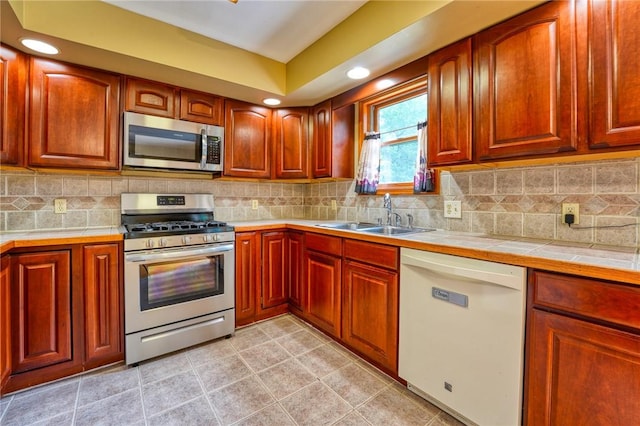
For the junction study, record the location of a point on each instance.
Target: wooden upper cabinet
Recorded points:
(321, 141)
(614, 39)
(291, 141)
(14, 67)
(74, 116)
(450, 105)
(343, 121)
(150, 97)
(247, 140)
(201, 107)
(525, 84)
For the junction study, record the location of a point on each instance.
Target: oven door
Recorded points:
(169, 285)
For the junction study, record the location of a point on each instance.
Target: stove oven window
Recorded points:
(169, 283)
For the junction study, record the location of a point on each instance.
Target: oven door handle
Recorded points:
(178, 254)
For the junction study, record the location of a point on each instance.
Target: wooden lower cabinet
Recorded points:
(103, 305)
(5, 319)
(65, 312)
(274, 288)
(295, 250)
(323, 282)
(583, 356)
(247, 276)
(370, 302)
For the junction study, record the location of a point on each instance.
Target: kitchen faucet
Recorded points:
(387, 205)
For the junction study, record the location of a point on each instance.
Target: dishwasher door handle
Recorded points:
(503, 279)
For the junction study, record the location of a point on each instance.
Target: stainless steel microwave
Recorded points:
(164, 143)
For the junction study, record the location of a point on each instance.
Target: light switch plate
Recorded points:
(453, 209)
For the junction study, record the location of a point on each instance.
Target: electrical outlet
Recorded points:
(59, 205)
(571, 208)
(453, 209)
(254, 204)
(334, 205)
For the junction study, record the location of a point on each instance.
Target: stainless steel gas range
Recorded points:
(178, 273)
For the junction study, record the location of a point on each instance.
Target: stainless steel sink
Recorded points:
(395, 230)
(350, 226)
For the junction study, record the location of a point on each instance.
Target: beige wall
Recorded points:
(518, 202)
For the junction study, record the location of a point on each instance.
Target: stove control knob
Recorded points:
(215, 238)
(207, 238)
(186, 240)
(162, 242)
(150, 243)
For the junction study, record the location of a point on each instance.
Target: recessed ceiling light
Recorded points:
(39, 46)
(271, 101)
(358, 73)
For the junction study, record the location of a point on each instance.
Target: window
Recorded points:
(395, 115)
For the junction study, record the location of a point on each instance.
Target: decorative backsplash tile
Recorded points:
(508, 202)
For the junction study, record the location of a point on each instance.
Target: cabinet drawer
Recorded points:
(324, 244)
(601, 300)
(375, 254)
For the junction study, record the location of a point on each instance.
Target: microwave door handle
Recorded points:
(203, 158)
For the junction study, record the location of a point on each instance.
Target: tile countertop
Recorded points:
(610, 263)
(588, 260)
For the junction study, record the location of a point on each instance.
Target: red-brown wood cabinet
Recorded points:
(14, 72)
(291, 143)
(73, 116)
(583, 351)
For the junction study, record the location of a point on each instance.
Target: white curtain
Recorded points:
(423, 180)
(369, 166)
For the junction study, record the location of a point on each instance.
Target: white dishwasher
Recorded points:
(461, 341)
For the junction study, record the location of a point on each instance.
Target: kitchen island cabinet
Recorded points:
(73, 117)
(65, 311)
(14, 68)
(370, 301)
(583, 357)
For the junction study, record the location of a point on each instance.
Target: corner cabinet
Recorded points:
(450, 109)
(5, 319)
(615, 81)
(370, 301)
(74, 116)
(14, 68)
(583, 356)
(247, 140)
(525, 84)
(65, 312)
(321, 141)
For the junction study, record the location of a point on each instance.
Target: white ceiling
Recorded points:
(277, 29)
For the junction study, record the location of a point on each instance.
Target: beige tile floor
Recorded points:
(278, 372)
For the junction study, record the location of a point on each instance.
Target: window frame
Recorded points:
(368, 121)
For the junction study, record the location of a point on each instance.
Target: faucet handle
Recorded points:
(410, 220)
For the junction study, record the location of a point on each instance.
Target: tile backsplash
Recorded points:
(518, 202)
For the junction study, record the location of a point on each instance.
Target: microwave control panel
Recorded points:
(213, 150)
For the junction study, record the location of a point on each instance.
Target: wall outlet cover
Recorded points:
(60, 205)
(254, 204)
(453, 209)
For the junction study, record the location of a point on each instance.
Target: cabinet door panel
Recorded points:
(247, 276)
(450, 105)
(581, 373)
(323, 286)
(150, 97)
(614, 39)
(274, 269)
(42, 310)
(295, 246)
(201, 108)
(291, 134)
(5, 319)
(103, 312)
(526, 84)
(14, 67)
(74, 116)
(247, 140)
(321, 147)
(370, 312)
